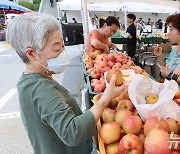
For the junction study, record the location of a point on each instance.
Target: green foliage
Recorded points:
(36, 1)
(35, 7)
(26, 4)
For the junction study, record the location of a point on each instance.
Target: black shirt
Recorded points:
(131, 30)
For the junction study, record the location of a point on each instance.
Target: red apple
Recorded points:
(178, 123)
(131, 144)
(121, 115)
(99, 88)
(132, 124)
(103, 64)
(173, 127)
(110, 132)
(108, 115)
(97, 66)
(110, 64)
(94, 82)
(90, 70)
(119, 77)
(95, 74)
(112, 148)
(177, 95)
(110, 57)
(118, 59)
(125, 105)
(86, 59)
(156, 142)
(155, 122)
(105, 69)
(89, 65)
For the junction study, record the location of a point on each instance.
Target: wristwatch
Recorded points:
(175, 77)
(168, 77)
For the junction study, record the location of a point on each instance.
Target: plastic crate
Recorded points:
(84, 70)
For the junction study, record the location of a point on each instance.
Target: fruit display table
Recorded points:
(122, 127)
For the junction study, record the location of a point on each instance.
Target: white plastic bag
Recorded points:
(165, 107)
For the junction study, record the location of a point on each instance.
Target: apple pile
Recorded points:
(177, 97)
(97, 64)
(123, 131)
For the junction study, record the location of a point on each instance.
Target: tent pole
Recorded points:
(84, 14)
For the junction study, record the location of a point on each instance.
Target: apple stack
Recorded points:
(123, 131)
(97, 65)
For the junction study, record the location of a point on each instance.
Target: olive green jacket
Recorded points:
(53, 120)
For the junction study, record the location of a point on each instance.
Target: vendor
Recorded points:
(98, 39)
(171, 70)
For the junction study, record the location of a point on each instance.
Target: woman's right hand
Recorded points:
(112, 91)
(158, 51)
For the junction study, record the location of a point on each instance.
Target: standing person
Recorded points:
(149, 21)
(159, 24)
(52, 118)
(131, 35)
(171, 69)
(52, 3)
(98, 39)
(74, 20)
(140, 25)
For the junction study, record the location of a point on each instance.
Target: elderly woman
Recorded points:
(52, 118)
(171, 70)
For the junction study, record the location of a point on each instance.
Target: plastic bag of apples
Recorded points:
(152, 98)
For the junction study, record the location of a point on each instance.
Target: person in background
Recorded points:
(165, 27)
(53, 120)
(74, 20)
(171, 68)
(101, 22)
(98, 39)
(52, 3)
(159, 24)
(140, 25)
(131, 35)
(149, 21)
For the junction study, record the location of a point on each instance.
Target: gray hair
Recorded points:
(30, 30)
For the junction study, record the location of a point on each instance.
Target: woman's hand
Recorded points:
(158, 51)
(106, 49)
(165, 71)
(112, 46)
(112, 91)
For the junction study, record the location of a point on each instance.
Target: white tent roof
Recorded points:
(116, 6)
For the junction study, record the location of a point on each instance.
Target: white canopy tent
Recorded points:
(124, 7)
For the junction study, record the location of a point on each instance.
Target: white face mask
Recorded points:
(58, 64)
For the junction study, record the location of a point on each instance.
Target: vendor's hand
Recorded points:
(113, 46)
(106, 49)
(165, 71)
(112, 91)
(158, 51)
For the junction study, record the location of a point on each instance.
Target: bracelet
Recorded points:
(175, 77)
(169, 76)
